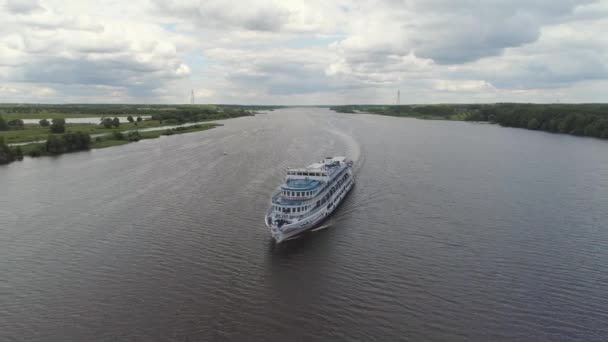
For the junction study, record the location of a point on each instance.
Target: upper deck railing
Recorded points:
(300, 216)
(279, 199)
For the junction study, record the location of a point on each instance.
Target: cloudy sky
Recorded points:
(303, 52)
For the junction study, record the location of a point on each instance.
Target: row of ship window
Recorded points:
(310, 174)
(292, 210)
(319, 203)
(297, 193)
(332, 191)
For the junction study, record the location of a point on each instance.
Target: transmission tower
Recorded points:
(398, 97)
(192, 96)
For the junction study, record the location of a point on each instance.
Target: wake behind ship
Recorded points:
(308, 196)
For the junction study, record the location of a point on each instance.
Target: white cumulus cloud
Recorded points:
(296, 51)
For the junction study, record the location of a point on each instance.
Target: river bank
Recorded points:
(9, 154)
(117, 139)
(21, 136)
(66, 111)
(590, 120)
(37, 133)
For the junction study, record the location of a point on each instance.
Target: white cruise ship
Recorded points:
(308, 196)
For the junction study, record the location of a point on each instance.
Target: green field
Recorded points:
(30, 133)
(56, 115)
(161, 115)
(79, 137)
(35, 132)
(109, 141)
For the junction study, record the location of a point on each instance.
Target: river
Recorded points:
(455, 231)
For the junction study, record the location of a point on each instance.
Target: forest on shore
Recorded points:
(577, 119)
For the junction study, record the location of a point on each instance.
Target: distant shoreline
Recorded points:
(40, 149)
(588, 120)
(56, 136)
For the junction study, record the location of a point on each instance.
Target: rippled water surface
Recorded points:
(454, 231)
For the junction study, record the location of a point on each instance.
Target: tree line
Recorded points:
(55, 126)
(585, 120)
(8, 154)
(11, 124)
(68, 142)
(176, 113)
(196, 114)
(55, 144)
(58, 125)
(123, 109)
(577, 119)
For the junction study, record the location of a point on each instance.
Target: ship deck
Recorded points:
(301, 184)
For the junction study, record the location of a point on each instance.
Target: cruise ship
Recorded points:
(308, 196)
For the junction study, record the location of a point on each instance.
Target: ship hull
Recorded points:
(296, 229)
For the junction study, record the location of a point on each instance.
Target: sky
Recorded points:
(308, 52)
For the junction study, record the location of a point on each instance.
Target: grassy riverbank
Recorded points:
(61, 137)
(35, 132)
(119, 138)
(159, 115)
(49, 115)
(577, 119)
(116, 140)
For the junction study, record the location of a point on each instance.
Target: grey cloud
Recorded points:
(67, 50)
(461, 31)
(269, 49)
(289, 79)
(23, 6)
(255, 16)
(103, 48)
(544, 71)
(138, 78)
(473, 38)
(572, 68)
(267, 19)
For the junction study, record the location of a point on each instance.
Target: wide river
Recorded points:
(455, 231)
